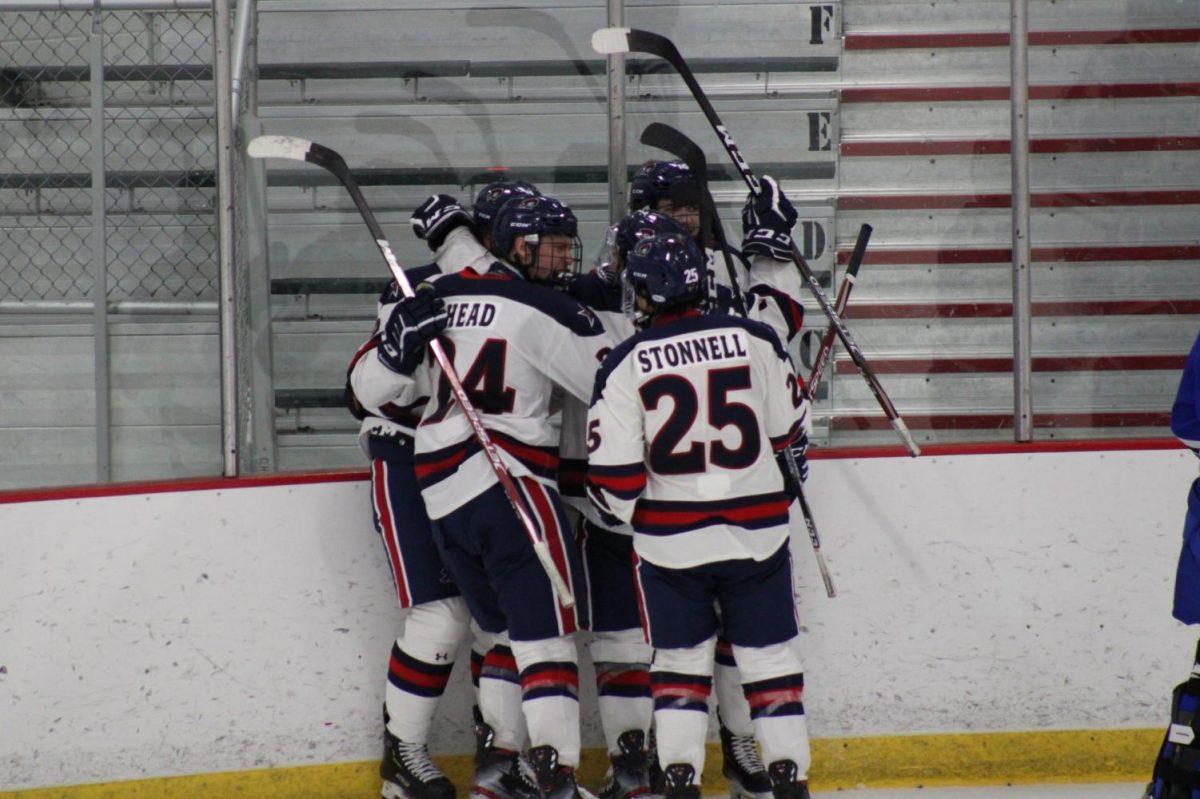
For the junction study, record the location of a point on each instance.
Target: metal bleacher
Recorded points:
(452, 98)
(892, 112)
(1114, 222)
(916, 98)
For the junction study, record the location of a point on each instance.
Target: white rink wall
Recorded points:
(190, 632)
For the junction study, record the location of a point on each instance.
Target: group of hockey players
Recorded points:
(653, 396)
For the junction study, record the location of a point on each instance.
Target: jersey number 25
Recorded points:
(664, 457)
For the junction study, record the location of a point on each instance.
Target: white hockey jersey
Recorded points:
(372, 386)
(374, 389)
(512, 343)
(765, 304)
(685, 421)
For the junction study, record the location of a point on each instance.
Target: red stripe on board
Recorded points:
(51, 493)
(1003, 421)
(898, 366)
(939, 94)
(995, 310)
(966, 255)
(907, 41)
(1105, 144)
(1066, 199)
(1002, 448)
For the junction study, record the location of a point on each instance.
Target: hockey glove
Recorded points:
(414, 322)
(436, 217)
(767, 222)
(793, 464)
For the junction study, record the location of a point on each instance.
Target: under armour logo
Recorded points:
(441, 656)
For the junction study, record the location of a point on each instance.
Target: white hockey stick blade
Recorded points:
(289, 147)
(611, 40)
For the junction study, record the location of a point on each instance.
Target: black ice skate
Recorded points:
(498, 772)
(554, 780)
(784, 782)
(679, 782)
(409, 773)
(629, 775)
(742, 766)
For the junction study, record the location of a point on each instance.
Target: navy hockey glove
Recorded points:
(767, 222)
(436, 217)
(797, 453)
(414, 322)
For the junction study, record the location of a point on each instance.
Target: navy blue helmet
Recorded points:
(531, 217)
(654, 180)
(665, 272)
(642, 225)
(621, 237)
(494, 195)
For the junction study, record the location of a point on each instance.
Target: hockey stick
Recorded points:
(623, 40)
(665, 137)
(678, 144)
(839, 305)
(295, 149)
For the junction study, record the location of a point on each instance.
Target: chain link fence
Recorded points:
(159, 155)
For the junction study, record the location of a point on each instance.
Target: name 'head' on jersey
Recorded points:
(663, 274)
(539, 236)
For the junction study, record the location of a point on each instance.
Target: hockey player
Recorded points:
(423, 655)
(659, 441)
(669, 187)
(606, 551)
(764, 265)
(514, 341)
(618, 647)
(1177, 770)
(771, 289)
(458, 239)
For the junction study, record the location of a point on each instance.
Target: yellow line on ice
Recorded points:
(878, 762)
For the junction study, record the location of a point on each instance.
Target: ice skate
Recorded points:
(629, 775)
(409, 773)
(679, 782)
(784, 781)
(554, 780)
(498, 772)
(743, 767)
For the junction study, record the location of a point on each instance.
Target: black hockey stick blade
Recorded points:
(665, 137)
(860, 250)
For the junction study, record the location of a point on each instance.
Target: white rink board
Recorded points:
(204, 631)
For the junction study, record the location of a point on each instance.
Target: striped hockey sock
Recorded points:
(500, 697)
(411, 695)
(550, 694)
(680, 716)
(624, 700)
(777, 708)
